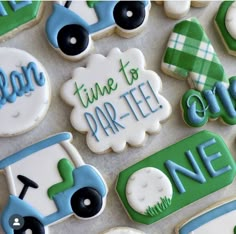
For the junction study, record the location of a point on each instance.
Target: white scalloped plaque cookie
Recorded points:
(116, 100)
(25, 92)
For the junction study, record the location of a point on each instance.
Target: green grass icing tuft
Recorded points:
(159, 207)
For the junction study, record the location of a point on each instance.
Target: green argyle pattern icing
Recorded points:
(190, 55)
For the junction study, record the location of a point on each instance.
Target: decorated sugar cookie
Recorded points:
(115, 100)
(25, 92)
(225, 22)
(178, 9)
(18, 15)
(45, 186)
(175, 177)
(74, 25)
(190, 56)
(141, 187)
(123, 230)
(217, 219)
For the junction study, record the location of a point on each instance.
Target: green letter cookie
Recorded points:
(17, 15)
(175, 177)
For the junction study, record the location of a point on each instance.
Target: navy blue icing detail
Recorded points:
(137, 8)
(69, 32)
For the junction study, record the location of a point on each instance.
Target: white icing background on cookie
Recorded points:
(102, 69)
(152, 42)
(28, 110)
(216, 224)
(230, 20)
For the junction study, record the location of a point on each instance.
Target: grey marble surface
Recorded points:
(152, 42)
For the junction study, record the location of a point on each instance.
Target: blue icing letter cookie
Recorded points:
(25, 92)
(175, 177)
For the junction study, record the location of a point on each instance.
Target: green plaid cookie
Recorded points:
(190, 55)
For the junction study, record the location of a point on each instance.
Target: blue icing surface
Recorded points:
(16, 5)
(2, 10)
(34, 148)
(207, 217)
(20, 83)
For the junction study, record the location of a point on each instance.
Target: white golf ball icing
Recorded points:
(146, 187)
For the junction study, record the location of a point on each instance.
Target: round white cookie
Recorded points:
(24, 92)
(146, 188)
(177, 9)
(123, 230)
(230, 20)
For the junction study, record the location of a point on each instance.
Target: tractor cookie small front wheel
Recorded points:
(32, 224)
(129, 14)
(73, 39)
(86, 202)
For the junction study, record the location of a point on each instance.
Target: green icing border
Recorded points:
(175, 152)
(220, 23)
(19, 18)
(222, 114)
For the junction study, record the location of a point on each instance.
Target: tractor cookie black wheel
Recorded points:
(129, 14)
(33, 224)
(86, 202)
(73, 39)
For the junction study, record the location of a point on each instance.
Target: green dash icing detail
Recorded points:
(159, 207)
(65, 168)
(91, 3)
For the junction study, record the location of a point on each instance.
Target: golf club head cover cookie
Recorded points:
(25, 92)
(73, 25)
(175, 177)
(225, 22)
(18, 15)
(48, 182)
(123, 230)
(190, 56)
(115, 100)
(211, 220)
(179, 9)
